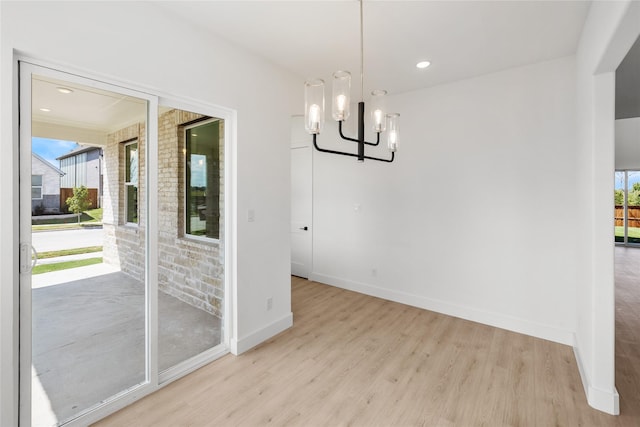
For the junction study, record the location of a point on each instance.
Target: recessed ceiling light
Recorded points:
(423, 64)
(64, 90)
(46, 110)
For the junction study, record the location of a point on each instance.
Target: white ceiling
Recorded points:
(462, 39)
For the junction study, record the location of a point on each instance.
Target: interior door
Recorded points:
(301, 200)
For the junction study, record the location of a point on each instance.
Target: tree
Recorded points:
(619, 197)
(79, 202)
(634, 195)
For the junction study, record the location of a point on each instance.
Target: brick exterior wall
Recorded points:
(124, 244)
(189, 269)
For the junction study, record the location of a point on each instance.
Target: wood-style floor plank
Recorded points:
(356, 360)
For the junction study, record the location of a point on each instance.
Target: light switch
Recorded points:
(251, 215)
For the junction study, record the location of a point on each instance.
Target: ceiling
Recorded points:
(84, 107)
(628, 84)
(462, 39)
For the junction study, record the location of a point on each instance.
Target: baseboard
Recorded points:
(602, 400)
(497, 320)
(239, 346)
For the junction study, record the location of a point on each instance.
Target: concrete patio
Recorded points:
(89, 343)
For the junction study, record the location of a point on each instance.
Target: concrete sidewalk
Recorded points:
(69, 258)
(71, 274)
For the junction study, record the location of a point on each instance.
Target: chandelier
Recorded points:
(381, 122)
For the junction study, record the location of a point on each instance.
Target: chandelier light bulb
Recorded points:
(394, 135)
(377, 110)
(341, 92)
(314, 117)
(341, 101)
(378, 119)
(314, 106)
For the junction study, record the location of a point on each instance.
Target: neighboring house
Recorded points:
(82, 166)
(45, 186)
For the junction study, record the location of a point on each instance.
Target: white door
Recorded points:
(301, 202)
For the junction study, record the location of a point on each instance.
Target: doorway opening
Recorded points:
(627, 231)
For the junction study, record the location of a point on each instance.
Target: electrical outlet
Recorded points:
(269, 303)
(251, 215)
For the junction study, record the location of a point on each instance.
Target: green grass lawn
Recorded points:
(46, 268)
(65, 252)
(87, 219)
(634, 232)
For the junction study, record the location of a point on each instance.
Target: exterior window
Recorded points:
(36, 187)
(202, 179)
(131, 182)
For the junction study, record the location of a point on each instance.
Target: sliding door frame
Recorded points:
(25, 66)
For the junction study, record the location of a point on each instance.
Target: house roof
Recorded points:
(79, 150)
(46, 162)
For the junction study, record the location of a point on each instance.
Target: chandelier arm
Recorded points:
(346, 138)
(393, 156)
(324, 150)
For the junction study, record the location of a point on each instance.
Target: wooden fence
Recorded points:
(633, 213)
(65, 193)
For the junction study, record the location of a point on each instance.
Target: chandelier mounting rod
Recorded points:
(361, 54)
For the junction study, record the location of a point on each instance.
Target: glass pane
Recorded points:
(132, 204)
(131, 156)
(36, 180)
(191, 279)
(36, 193)
(633, 207)
(88, 317)
(203, 180)
(619, 205)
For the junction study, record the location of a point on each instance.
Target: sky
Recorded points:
(634, 176)
(49, 149)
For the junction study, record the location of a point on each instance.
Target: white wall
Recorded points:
(139, 43)
(628, 143)
(475, 217)
(608, 34)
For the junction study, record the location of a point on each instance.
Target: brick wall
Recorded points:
(189, 269)
(123, 244)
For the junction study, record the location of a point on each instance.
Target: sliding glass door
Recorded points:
(123, 252)
(84, 288)
(627, 207)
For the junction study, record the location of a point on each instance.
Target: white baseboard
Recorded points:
(602, 400)
(497, 320)
(239, 346)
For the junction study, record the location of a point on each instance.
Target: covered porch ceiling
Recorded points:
(74, 112)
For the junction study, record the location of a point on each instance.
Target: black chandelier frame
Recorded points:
(360, 140)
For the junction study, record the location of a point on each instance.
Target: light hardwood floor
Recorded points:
(352, 359)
